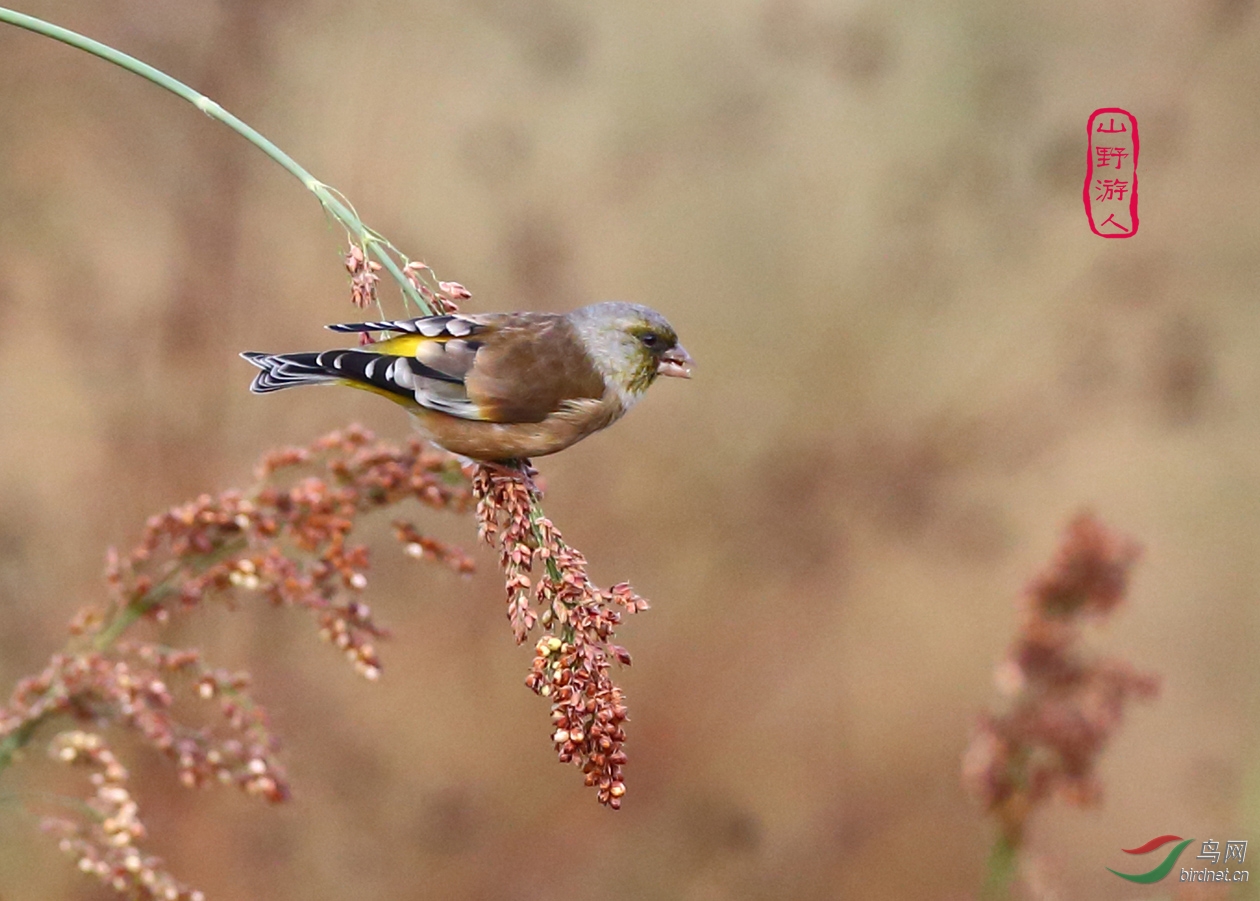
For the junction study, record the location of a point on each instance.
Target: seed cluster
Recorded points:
(105, 844)
(547, 583)
(1063, 704)
(288, 541)
(443, 300)
(363, 277)
(290, 544)
(132, 686)
(364, 280)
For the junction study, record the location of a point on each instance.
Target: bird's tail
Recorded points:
(288, 371)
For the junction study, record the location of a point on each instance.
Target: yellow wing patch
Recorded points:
(402, 400)
(401, 345)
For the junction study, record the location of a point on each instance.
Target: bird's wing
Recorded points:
(451, 326)
(497, 367)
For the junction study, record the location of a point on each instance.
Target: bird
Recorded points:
(499, 387)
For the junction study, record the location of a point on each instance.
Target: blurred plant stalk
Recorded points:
(1062, 705)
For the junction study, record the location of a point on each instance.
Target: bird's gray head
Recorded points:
(631, 344)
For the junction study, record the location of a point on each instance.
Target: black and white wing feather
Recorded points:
(449, 326)
(426, 362)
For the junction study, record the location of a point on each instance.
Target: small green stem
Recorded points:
(129, 615)
(138, 607)
(535, 514)
(339, 209)
(1000, 871)
(17, 739)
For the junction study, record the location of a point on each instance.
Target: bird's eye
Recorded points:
(649, 340)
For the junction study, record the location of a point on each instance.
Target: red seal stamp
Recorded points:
(1111, 185)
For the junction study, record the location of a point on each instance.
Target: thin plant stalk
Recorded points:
(1000, 870)
(329, 198)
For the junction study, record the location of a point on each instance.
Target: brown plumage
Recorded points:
(500, 386)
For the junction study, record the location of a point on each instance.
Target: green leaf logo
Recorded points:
(1164, 868)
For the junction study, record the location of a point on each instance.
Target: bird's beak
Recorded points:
(675, 362)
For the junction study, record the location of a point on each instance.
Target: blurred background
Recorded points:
(915, 364)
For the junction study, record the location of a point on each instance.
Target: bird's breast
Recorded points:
(498, 441)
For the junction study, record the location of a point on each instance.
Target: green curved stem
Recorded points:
(367, 238)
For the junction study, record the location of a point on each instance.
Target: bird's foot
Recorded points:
(520, 470)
